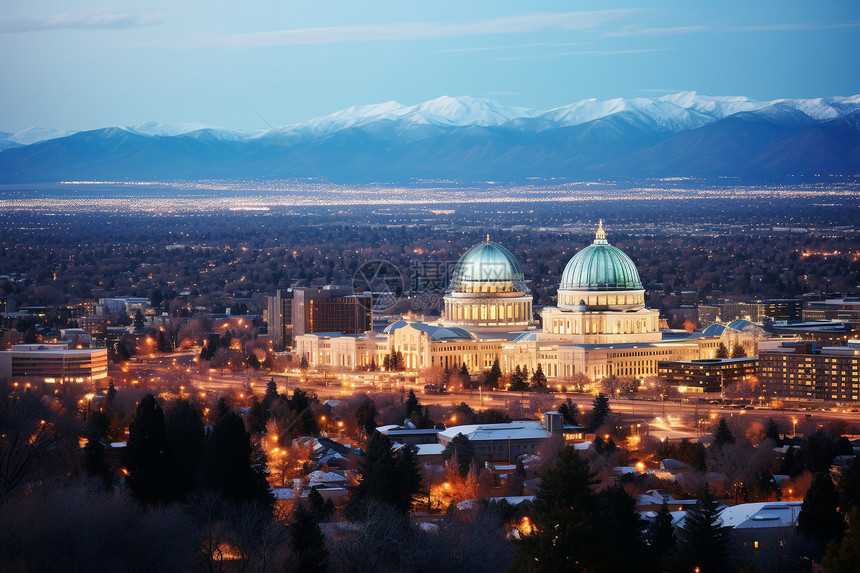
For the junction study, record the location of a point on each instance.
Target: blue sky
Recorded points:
(89, 64)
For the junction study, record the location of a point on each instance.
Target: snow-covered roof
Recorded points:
(285, 493)
(329, 457)
(513, 499)
(761, 515)
(677, 516)
(430, 449)
(672, 464)
(325, 477)
(526, 430)
(388, 428)
(653, 496)
(582, 446)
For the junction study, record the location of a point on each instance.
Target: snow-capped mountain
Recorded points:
(36, 134)
(684, 134)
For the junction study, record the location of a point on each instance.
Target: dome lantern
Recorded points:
(600, 267)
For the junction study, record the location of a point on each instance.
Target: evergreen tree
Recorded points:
(413, 405)
(461, 447)
(518, 381)
(538, 379)
(569, 412)
(185, 435)
(373, 367)
(386, 477)
(723, 435)
(307, 542)
(271, 396)
(138, 320)
(849, 487)
(320, 509)
(98, 429)
(844, 556)
(231, 466)
(494, 375)
(697, 459)
(600, 411)
(661, 535)
(222, 408)
(704, 540)
(771, 431)
(301, 404)
(722, 351)
(738, 351)
(256, 417)
(464, 374)
(819, 517)
(792, 463)
(144, 454)
(564, 537)
(618, 531)
(408, 485)
(365, 416)
(303, 365)
(604, 447)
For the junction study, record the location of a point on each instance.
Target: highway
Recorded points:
(680, 415)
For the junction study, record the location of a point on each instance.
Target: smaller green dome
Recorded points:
(485, 263)
(600, 267)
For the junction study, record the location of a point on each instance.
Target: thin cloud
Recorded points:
(792, 27)
(667, 31)
(679, 30)
(401, 31)
(586, 53)
(81, 21)
(512, 47)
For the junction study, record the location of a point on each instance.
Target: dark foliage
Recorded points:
(600, 411)
(232, 466)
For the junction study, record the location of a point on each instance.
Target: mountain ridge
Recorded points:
(473, 139)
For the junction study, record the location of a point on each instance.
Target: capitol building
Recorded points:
(598, 328)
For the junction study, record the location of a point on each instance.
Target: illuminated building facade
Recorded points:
(55, 364)
(797, 370)
(330, 309)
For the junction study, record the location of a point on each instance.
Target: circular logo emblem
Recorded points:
(381, 280)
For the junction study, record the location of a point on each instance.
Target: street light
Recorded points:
(794, 427)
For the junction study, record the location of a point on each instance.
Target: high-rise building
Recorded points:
(799, 370)
(298, 311)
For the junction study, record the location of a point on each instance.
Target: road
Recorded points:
(683, 416)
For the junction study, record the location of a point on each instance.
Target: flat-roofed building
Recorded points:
(847, 309)
(55, 364)
(802, 371)
(776, 309)
(709, 375)
(500, 442)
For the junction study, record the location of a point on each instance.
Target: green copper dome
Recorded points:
(485, 263)
(600, 267)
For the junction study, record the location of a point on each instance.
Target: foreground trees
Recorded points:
(576, 529)
(386, 477)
